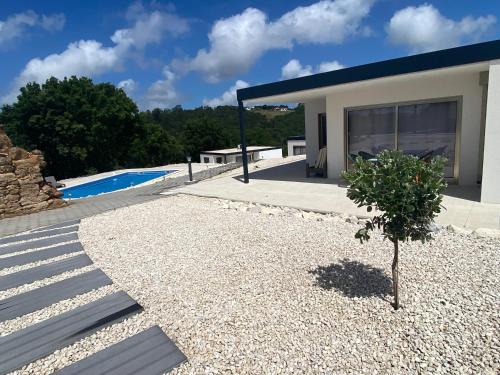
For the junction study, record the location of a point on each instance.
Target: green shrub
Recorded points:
(408, 193)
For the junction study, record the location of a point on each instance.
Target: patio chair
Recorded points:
(427, 157)
(366, 155)
(320, 167)
(51, 180)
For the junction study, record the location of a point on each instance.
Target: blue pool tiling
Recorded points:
(111, 183)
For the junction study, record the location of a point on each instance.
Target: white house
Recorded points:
(445, 102)
(234, 155)
(296, 145)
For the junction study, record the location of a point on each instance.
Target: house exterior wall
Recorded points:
(464, 85)
(311, 111)
(490, 190)
(268, 154)
(292, 143)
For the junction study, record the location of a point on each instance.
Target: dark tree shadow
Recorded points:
(353, 279)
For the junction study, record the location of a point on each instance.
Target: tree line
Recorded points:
(84, 128)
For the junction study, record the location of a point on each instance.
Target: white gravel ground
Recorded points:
(245, 289)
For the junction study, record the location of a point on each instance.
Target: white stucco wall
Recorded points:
(403, 89)
(211, 158)
(490, 189)
(291, 143)
(268, 154)
(311, 111)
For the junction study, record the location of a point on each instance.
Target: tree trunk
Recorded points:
(395, 275)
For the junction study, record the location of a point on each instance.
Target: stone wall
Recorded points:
(22, 188)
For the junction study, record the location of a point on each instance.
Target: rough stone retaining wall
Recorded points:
(22, 188)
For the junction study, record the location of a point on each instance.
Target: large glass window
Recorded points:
(429, 128)
(371, 130)
(417, 129)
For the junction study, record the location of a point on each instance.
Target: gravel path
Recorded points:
(256, 290)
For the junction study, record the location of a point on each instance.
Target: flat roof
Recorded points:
(297, 138)
(234, 151)
(452, 57)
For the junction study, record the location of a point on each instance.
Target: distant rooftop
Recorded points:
(235, 150)
(297, 138)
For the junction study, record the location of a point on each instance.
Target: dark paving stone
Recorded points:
(35, 256)
(150, 352)
(44, 242)
(30, 275)
(39, 340)
(36, 299)
(60, 225)
(35, 235)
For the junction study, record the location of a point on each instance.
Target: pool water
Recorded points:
(111, 183)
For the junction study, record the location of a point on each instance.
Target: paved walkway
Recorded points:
(80, 208)
(285, 185)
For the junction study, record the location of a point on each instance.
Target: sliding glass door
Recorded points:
(429, 127)
(419, 129)
(371, 130)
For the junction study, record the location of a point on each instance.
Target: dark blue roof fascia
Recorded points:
(297, 138)
(404, 65)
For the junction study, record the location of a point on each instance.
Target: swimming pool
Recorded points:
(111, 183)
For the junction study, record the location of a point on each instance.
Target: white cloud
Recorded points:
(424, 28)
(91, 58)
(228, 97)
(238, 41)
(16, 25)
(150, 27)
(128, 85)
(162, 93)
(54, 22)
(328, 66)
(294, 69)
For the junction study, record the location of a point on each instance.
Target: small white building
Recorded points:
(233, 155)
(296, 145)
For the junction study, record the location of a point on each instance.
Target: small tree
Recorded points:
(407, 191)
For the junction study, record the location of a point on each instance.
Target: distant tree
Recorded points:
(204, 134)
(154, 146)
(78, 125)
(408, 193)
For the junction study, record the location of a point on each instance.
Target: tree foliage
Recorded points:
(78, 125)
(83, 128)
(405, 190)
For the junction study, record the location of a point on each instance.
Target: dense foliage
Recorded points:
(84, 128)
(406, 190)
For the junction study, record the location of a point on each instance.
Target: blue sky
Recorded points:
(198, 52)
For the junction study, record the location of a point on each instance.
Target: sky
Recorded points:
(194, 53)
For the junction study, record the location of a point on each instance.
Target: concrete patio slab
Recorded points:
(283, 184)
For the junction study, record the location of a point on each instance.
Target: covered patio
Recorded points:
(282, 183)
(439, 103)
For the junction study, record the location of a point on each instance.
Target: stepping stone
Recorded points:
(35, 256)
(36, 299)
(44, 242)
(55, 226)
(41, 339)
(33, 236)
(150, 352)
(31, 275)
